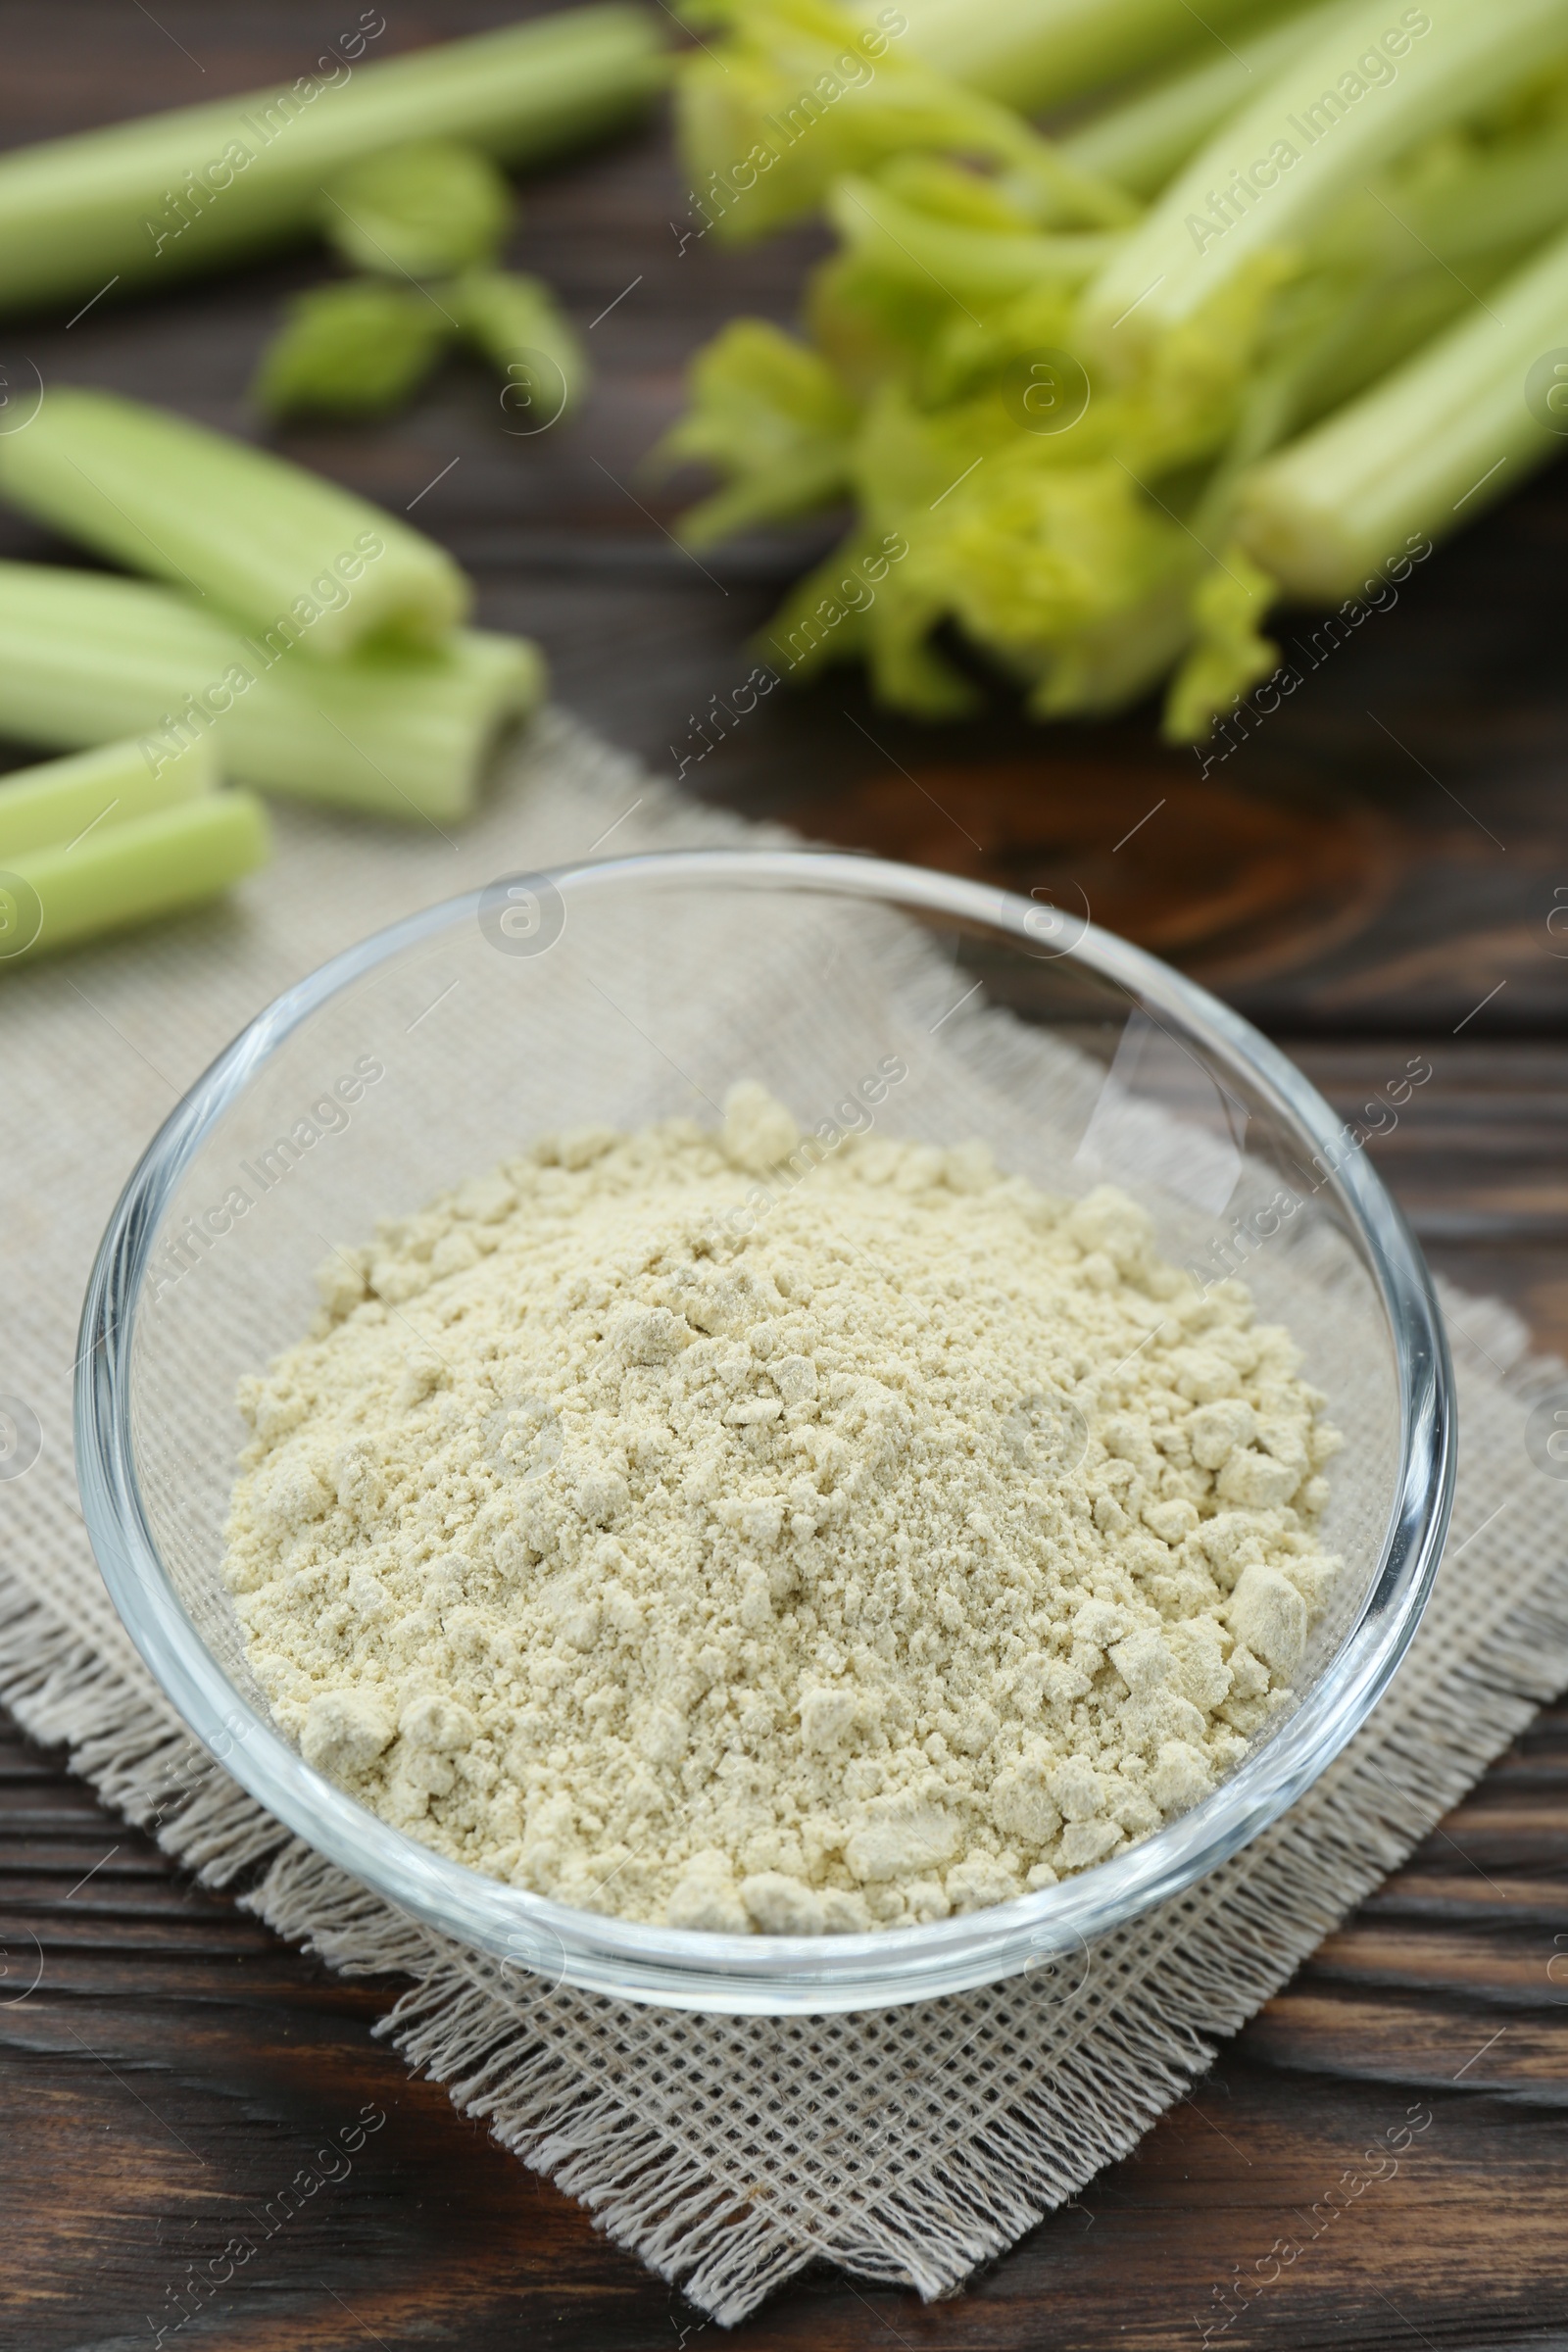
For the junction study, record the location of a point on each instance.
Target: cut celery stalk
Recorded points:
(1307, 142)
(124, 874)
(405, 737)
(1034, 54)
(282, 550)
(87, 658)
(188, 191)
(63, 800)
(1143, 139)
(1421, 455)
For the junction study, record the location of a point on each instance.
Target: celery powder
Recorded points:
(923, 1543)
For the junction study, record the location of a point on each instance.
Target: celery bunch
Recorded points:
(1104, 447)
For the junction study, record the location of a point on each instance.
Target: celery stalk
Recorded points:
(65, 799)
(124, 874)
(1420, 455)
(1507, 198)
(280, 549)
(1141, 140)
(914, 248)
(86, 659)
(1275, 169)
(189, 190)
(1035, 53)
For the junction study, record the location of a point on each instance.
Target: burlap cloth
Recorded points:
(908, 2144)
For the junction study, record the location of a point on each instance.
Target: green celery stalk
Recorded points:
(87, 658)
(187, 191)
(1418, 456)
(922, 251)
(130, 873)
(1141, 140)
(1035, 53)
(280, 549)
(1515, 195)
(65, 799)
(1320, 143)
(404, 737)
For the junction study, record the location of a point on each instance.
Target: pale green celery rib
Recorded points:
(85, 658)
(1516, 194)
(280, 549)
(1166, 270)
(63, 800)
(1035, 53)
(132, 873)
(1139, 141)
(1437, 441)
(925, 252)
(142, 201)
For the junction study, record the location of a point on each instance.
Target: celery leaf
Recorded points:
(352, 350)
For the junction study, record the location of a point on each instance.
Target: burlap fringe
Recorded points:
(470, 2024)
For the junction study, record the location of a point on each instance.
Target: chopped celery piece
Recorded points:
(1420, 454)
(190, 190)
(65, 799)
(418, 210)
(354, 350)
(124, 874)
(86, 659)
(1272, 173)
(278, 548)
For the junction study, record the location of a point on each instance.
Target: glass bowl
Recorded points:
(627, 990)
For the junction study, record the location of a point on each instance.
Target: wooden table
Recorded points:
(1374, 874)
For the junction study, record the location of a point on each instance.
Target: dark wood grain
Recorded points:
(1383, 853)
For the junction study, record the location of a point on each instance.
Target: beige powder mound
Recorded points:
(877, 1545)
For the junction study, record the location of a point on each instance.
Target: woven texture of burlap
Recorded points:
(907, 2144)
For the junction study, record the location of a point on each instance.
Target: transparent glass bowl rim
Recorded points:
(773, 1975)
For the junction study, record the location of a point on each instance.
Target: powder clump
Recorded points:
(766, 1536)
